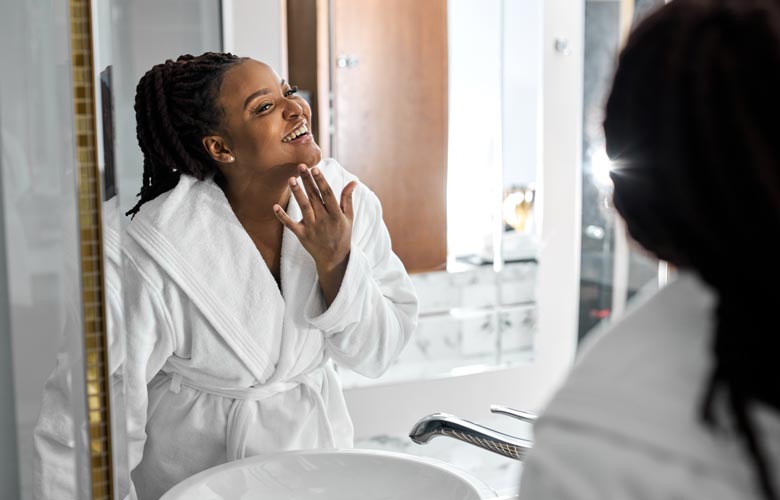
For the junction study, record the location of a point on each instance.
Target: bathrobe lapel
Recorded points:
(196, 238)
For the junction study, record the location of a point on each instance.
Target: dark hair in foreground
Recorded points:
(175, 107)
(693, 126)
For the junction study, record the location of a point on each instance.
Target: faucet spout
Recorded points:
(443, 424)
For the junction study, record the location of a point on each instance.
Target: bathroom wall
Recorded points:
(474, 141)
(494, 140)
(241, 19)
(470, 321)
(522, 90)
(145, 33)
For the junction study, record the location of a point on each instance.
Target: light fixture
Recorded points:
(518, 207)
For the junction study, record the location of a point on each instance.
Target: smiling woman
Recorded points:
(242, 282)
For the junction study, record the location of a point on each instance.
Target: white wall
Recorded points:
(522, 90)
(560, 193)
(474, 144)
(257, 29)
(145, 33)
(495, 76)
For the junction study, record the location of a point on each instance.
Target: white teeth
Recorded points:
(296, 133)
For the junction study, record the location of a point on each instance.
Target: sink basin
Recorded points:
(332, 474)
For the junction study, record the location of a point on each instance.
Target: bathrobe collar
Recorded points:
(193, 234)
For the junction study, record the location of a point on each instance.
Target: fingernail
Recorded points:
(292, 181)
(315, 171)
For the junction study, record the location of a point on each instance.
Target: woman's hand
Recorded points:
(325, 230)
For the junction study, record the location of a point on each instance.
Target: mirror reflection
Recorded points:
(397, 275)
(220, 137)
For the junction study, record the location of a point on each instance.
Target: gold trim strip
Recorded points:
(91, 245)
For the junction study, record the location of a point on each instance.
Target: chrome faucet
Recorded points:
(443, 424)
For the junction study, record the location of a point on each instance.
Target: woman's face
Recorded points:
(266, 125)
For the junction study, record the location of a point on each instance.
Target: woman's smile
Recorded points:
(299, 135)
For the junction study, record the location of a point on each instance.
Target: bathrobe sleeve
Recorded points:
(54, 441)
(375, 311)
(150, 343)
(54, 436)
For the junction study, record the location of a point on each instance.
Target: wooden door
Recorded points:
(390, 116)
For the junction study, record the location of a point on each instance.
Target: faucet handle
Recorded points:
(525, 416)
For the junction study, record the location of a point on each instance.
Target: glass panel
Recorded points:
(38, 205)
(9, 480)
(41, 251)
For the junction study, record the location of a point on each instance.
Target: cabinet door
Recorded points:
(390, 116)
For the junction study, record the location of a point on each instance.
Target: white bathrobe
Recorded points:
(626, 423)
(221, 364)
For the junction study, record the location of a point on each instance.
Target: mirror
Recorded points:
(457, 180)
(473, 254)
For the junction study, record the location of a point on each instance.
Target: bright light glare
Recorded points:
(600, 166)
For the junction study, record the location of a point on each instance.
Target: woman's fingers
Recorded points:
(303, 201)
(293, 226)
(311, 189)
(328, 197)
(346, 199)
(321, 199)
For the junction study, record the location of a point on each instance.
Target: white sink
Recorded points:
(332, 475)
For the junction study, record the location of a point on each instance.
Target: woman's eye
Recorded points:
(264, 107)
(291, 91)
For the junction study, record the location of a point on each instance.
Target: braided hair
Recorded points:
(692, 125)
(175, 107)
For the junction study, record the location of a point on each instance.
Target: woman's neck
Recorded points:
(252, 198)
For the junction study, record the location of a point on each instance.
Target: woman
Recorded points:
(680, 398)
(243, 283)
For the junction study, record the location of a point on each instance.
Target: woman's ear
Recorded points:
(217, 149)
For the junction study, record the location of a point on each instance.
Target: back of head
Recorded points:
(692, 128)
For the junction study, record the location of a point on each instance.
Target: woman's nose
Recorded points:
(292, 110)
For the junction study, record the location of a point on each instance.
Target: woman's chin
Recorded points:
(310, 157)
(313, 157)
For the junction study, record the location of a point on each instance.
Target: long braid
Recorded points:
(734, 379)
(692, 124)
(175, 107)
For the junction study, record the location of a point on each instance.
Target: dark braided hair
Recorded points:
(175, 107)
(693, 125)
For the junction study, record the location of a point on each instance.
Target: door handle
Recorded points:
(347, 61)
